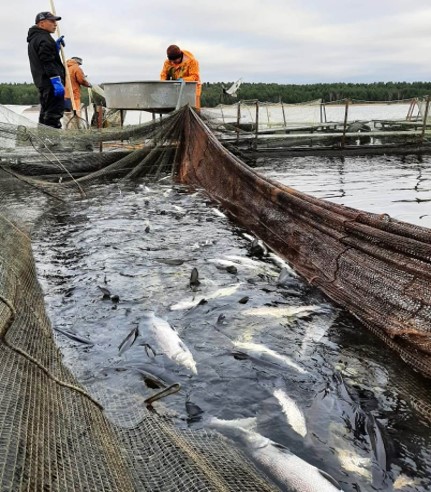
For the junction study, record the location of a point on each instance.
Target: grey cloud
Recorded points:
(259, 40)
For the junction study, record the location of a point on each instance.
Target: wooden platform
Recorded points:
(331, 139)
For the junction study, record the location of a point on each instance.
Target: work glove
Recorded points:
(58, 86)
(60, 42)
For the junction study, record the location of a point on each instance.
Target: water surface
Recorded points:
(398, 186)
(141, 244)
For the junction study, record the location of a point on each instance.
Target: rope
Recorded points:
(3, 333)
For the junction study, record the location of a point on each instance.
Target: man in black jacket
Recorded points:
(46, 68)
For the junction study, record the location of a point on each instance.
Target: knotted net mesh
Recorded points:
(376, 267)
(54, 434)
(57, 436)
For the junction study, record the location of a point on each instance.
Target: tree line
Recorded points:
(213, 94)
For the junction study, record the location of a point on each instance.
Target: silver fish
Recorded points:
(221, 264)
(168, 341)
(315, 331)
(217, 212)
(170, 261)
(187, 304)
(223, 292)
(281, 312)
(282, 264)
(248, 237)
(289, 470)
(74, 336)
(145, 188)
(295, 417)
(260, 350)
(403, 481)
(248, 262)
(351, 458)
(128, 341)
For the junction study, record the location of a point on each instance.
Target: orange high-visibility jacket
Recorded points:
(77, 79)
(188, 70)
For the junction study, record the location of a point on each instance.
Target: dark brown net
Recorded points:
(57, 437)
(374, 266)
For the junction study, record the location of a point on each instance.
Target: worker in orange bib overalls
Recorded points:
(182, 65)
(77, 79)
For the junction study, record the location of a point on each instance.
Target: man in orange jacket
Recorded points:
(182, 65)
(77, 78)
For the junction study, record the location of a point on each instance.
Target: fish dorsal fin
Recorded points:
(330, 479)
(280, 446)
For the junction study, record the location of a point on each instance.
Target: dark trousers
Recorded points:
(51, 107)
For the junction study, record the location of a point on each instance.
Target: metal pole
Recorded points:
(64, 60)
(410, 110)
(284, 114)
(424, 125)
(222, 114)
(257, 124)
(238, 117)
(346, 116)
(99, 110)
(180, 95)
(86, 116)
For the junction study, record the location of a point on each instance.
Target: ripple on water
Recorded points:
(398, 186)
(105, 242)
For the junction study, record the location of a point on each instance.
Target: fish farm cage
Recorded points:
(55, 434)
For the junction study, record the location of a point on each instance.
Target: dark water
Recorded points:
(398, 186)
(345, 382)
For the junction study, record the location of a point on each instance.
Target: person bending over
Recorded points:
(182, 65)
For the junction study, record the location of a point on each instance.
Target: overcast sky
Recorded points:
(282, 41)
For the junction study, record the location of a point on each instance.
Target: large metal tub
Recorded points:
(157, 96)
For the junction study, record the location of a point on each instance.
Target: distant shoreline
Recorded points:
(213, 93)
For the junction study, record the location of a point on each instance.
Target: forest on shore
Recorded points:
(214, 94)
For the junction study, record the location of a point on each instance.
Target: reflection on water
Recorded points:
(18, 203)
(398, 186)
(258, 345)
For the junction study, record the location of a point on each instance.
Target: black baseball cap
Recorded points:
(46, 16)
